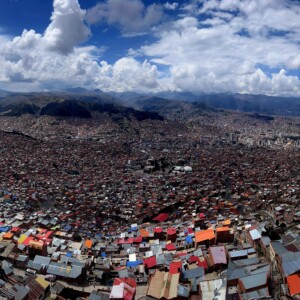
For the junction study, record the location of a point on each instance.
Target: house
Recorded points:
(193, 276)
(254, 237)
(67, 271)
(150, 262)
(235, 271)
(175, 267)
(42, 261)
(123, 288)
(21, 260)
(293, 283)
(217, 257)
(144, 234)
(158, 233)
(224, 234)
(289, 264)
(6, 248)
(171, 234)
(38, 288)
(254, 286)
(265, 245)
(213, 289)
(161, 218)
(96, 295)
(183, 291)
(275, 249)
(205, 237)
(163, 285)
(19, 292)
(37, 247)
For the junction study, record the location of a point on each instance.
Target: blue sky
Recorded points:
(199, 46)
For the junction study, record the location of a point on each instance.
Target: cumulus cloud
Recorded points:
(131, 16)
(36, 68)
(171, 6)
(67, 28)
(247, 46)
(220, 48)
(54, 59)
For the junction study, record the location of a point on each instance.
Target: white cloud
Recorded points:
(132, 16)
(235, 46)
(54, 60)
(171, 6)
(221, 51)
(67, 28)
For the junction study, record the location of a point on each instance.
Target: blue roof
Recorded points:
(189, 239)
(103, 254)
(134, 263)
(5, 228)
(68, 227)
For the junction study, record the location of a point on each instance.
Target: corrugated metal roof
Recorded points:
(193, 273)
(255, 235)
(238, 253)
(290, 256)
(218, 255)
(278, 247)
(258, 294)
(290, 267)
(60, 269)
(252, 281)
(183, 290)
(247, 261)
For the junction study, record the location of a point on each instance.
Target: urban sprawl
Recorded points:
(202, 209)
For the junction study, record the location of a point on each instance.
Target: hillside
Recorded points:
(66, 104)
(168, 104)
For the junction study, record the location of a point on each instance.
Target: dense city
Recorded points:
(93, 209)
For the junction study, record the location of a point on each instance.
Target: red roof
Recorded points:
(171, 231)
(150, 261)
(199, 262)
(27, 240)
(46, 236)
(124, 241)
(190, 230)
(129, 287)
(129, 281)
(137, 240)
(202, 215)
(175, 267)
(161, 217)
(14, 229)
(170, 247)
(157, 230)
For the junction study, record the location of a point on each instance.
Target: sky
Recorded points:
(197, 46)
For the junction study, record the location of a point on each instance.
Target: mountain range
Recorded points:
(78, 102)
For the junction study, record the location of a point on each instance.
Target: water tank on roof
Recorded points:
(177, 168)
(187, 169)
